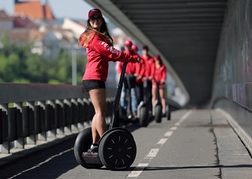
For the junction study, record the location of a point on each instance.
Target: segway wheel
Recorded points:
(81, 145)
(143, 117)
(117, 149)
(168, 113)
(158, 113)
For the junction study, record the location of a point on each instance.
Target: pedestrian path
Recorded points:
(194, 144)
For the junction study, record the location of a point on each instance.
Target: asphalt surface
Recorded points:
(193, 144)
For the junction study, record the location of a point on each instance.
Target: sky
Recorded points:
(77, 9)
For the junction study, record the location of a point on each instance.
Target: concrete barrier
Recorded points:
(31, 114)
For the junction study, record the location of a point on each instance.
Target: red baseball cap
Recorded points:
(157, 57)
(128, 43)
(134, 47)
(94, 12)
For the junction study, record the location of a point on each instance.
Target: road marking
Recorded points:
(153, 152)
(177, 124)
(162, 141)
(173, 128)
(168, 133)
(185, 116)
(140, 168)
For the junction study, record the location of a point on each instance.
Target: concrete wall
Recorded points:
(232, 86)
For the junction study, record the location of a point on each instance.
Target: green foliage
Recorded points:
(19, 65)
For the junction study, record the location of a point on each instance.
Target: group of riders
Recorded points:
(149, 71)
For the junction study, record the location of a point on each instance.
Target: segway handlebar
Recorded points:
(117, 97)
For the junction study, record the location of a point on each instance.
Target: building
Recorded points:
(76, 26)
(6, 22)
(34, 9)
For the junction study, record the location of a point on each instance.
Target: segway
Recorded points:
(128, 86)
(157, 107)
(127, 116)
(171, 106)
(116, 147)
(168, 112)
(142, 109)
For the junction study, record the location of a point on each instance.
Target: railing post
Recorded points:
(67, 115)
(5, 146)
(90, 110)
(31, 139)
(40, 116)
(1, 126)
(50, 116)
(85, 112)
(59, 112)
(81, 113)
(74, 115)
(20, 142)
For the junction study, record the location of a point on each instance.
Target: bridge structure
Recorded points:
(205, 46)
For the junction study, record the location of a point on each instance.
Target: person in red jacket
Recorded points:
(99, 50)
(140, 71)
(148, 61)
(159, 77)
(130, 74)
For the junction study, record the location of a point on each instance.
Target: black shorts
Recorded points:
(93, 84)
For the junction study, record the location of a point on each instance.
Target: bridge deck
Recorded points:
(194, 144)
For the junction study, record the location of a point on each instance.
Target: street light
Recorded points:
(74, 64)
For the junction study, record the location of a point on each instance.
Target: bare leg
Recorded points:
(161, 92)
(154, 94)
(98, 98)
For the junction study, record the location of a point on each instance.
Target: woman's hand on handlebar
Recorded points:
(138, 60)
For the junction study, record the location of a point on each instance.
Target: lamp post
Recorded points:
(74, 65)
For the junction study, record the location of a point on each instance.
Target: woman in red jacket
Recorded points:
(100, 51)
(159, 77)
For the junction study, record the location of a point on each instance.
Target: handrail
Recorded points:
(225, 98)
(12, 92)
(31, 113)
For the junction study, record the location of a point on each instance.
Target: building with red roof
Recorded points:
(34, 9)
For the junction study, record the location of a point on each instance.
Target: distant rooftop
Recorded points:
(4, 16)
(34, 9)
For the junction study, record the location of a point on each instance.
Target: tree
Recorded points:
(18, 64)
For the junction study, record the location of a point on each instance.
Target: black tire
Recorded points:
(117, 149)
(158, 113)
(82, 144)
(168, 113)
(143, 117)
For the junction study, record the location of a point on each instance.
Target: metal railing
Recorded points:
(31, 114)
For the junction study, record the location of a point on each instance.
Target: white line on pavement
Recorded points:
(185, 116)
(162, 141)
(173, 128)
(168, 133)
(177, 124)
(153, 152)
(135, 174)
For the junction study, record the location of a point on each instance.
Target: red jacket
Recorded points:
(131, 67)
(149, 62)
(99, 53)
(140, 70)
(159, 74)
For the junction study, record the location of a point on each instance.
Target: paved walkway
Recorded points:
(194, 144)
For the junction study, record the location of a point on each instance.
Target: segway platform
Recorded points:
(91, 159)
